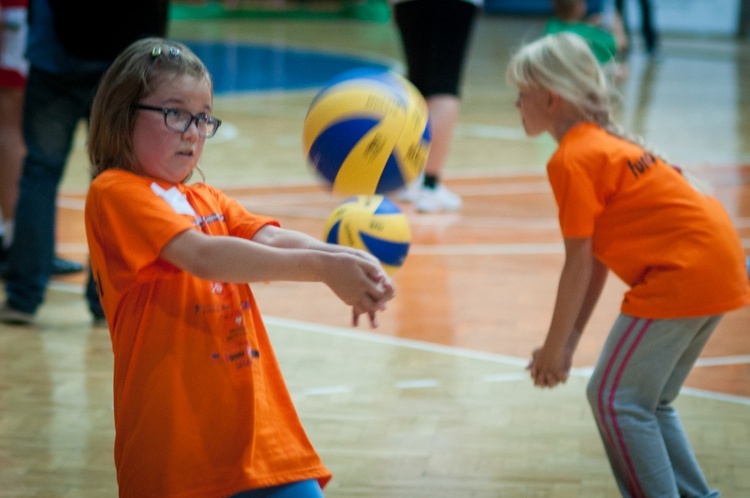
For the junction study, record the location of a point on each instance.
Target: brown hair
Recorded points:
(566, 10)
(133, 75)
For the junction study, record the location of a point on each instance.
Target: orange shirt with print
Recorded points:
(201, 407)
(674, 246)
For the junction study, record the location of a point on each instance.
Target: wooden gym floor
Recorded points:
(436, 402)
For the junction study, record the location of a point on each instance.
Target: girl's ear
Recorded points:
(553, 101)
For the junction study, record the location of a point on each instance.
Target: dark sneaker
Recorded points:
(14, 316)
(65, 267)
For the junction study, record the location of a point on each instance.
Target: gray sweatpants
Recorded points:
(640, 372)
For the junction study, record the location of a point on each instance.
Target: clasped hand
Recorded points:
(360, 281)
(549, 367)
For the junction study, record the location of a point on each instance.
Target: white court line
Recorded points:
(271, 201)
(396, 341)
(324, 391)
(308, 179)
(289, 199)
(303, 198)
(491, 131)
(417, 384)
(463, 353)
(582, 371)
(729, 398)
(723, 361)
(487, 249)
(433, 250)
(520, 188)
(431, 348)
(506, 377)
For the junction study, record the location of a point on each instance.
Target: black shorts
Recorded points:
(435, 36)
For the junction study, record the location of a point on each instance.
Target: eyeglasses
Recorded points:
(179, 120)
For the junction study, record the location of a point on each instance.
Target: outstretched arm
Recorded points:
(291, 239)
(356, 280)
(281, 238)
(581, 283)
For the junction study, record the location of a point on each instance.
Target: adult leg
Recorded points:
(639, 373)
(53, 107)
(444, 112)
(650, 35)
(449, 37)
(648, 28)
(620, 7)
(435, 37)
(13, 70)
(413, 20)
(92, 299)
(12, 151)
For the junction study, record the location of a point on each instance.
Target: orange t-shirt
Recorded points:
(201, 407)
(675, 247)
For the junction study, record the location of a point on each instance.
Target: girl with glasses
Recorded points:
(201, 408)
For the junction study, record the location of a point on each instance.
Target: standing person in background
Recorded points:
(608, 45)
(13, 71)
(607, 39)
(435, 35)
(623, 208)
(648, 28)
(70, 45)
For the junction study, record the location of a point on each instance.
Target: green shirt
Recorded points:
(602, 43)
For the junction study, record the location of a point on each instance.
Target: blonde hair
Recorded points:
(133, 75)
(564, 64)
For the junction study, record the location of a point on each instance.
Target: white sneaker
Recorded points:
(437, 200)
(410, 193)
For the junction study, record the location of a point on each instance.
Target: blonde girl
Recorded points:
(201, 408)
(624, 209)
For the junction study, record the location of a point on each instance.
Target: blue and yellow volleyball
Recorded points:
(367, 132)
(373, 223)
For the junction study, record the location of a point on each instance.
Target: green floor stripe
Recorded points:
(368, 10)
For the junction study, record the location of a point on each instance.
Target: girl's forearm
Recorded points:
(572, 293)
(231, 259)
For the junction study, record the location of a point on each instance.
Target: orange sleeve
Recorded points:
(127, 226)
(578, 200)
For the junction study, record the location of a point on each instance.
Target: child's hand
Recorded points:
(391, 292)
(361, 283)
(549, 368)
